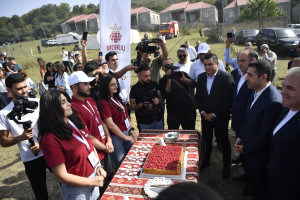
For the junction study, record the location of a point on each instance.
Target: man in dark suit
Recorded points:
(284, 161)
(214, 100)
(263, 107)
(241, 94)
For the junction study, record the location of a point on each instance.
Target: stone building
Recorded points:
(231, 12)
(144, 19)
(80, 23)
(187, 14)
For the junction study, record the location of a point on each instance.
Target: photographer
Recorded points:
(146, 57)
(176, 87)
(145, 100)
(35, 166)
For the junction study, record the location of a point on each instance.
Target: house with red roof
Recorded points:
(232, 10)
(188, 13)
(144, 19)
(80, 23)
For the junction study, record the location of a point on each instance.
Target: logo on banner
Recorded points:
(115, 35)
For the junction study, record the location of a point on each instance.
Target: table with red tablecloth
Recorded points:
(126, 181)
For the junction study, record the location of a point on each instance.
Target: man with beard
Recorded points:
(184, 64)
(88, 112)
(32, 156)
(146, 101)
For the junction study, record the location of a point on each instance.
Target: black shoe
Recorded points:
(237, 160)
(240, 178)
(226, 172)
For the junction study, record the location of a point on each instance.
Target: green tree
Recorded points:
(259, 10)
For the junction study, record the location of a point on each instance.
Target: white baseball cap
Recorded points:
(203, 48)
(79, 77)
(295, 43)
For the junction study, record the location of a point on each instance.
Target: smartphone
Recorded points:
(100, 53)
(84, 36)
(229, 35)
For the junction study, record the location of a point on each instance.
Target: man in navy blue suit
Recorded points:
(241, 94)
(263, 108)
(284, 161)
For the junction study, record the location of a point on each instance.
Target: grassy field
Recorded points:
(13, 180)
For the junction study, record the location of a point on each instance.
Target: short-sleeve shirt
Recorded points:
(108, 110)
(155, 66)
(88, 116)
(17, 130)
(65, 56)
(17, 67)
(71, 152)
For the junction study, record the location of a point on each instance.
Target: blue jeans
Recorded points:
(121, 148)
(80, 193)
(154, 125)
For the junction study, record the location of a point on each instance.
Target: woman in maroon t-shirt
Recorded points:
(68, 148)
(116, 118)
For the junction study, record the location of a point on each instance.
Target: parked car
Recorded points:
(280, 40)
(246, 35)
(44, 43)
(51, 43)
(297, 32)
(294, 26)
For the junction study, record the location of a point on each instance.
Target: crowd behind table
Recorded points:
(82, 128)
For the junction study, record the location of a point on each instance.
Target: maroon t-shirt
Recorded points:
(87, 115)
(118, 116)
(71, 152)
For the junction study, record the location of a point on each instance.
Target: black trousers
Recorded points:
(220, 126)
(108, 167)
(36, 173)
(67, 65)
(186, 120)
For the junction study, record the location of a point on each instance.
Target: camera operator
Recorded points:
(146, 101)
(153, 63)
(176, 88)
(32, 156)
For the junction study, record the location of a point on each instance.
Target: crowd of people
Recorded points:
(82, 131)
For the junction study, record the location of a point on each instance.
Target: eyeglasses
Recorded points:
(182, 56)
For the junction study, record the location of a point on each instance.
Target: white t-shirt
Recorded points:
(184, 67)
(65, 56)
(17, 129)
(192, 52)
(2, 86)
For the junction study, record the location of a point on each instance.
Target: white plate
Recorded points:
(153, 192)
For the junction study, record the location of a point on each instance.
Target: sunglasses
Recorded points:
(247, 45)
(182, 56)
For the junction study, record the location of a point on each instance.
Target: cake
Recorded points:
(164, 160)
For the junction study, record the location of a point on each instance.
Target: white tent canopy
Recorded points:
(94, 40)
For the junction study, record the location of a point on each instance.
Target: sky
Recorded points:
(21, 7)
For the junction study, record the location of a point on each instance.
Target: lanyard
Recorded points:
(120, 105)
(92, 113)
(82, 139)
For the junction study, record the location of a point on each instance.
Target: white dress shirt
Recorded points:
(257, 94)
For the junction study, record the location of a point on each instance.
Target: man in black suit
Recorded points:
(241, 93)
(284, 161)
(263, 107)
(214, 100)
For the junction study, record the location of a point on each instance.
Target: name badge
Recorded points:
(102, 133)
(93, 160)
(127, 123)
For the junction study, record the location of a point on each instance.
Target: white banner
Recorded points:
(115, 17)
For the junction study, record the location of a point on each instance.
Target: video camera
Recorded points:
(172, 68)
(144, 45)
(20, 109)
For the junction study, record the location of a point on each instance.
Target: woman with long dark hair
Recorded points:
(68, 148)
(49, 77)
(43, 67)
(116, 118)
(61, 78)
(3, 92)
